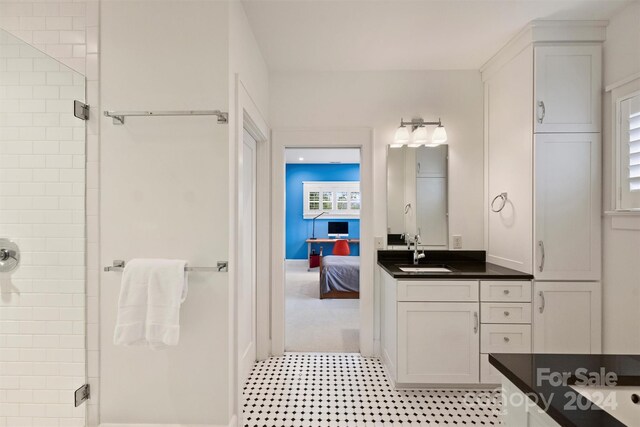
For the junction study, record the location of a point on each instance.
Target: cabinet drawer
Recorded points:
(488, 374)
(505, 312)
(504, 290)
(505, 339)
(438, 290)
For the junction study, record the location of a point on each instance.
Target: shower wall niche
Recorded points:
(42, 211)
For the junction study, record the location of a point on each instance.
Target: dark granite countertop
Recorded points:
(523, 369)
(464, 265)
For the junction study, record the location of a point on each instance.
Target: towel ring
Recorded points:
(503, 197)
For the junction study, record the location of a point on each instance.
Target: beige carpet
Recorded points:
(315, 325)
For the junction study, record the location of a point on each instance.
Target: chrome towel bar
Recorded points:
(221, 267)
(118, 116)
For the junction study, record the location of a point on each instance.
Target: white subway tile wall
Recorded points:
(42, 208)
(57, 28)
(84, 59)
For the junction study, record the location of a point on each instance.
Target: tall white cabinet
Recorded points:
(543, 149)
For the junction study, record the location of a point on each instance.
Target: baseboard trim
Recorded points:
(160, 425)
(232, 423)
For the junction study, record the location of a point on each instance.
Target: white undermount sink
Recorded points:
(621, 402)
(425, 269)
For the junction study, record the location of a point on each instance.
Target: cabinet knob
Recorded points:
(506, 291)
(506, 339)
(506, 313)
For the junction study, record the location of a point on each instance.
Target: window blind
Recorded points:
(634, 146)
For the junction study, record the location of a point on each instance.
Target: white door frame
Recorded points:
(361, 138)
(249, 117)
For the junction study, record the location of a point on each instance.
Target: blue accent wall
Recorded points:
(298, 229)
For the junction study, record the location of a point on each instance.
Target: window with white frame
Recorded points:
(339, 199)
(628, 152)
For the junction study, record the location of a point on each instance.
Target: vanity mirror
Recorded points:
(417, 196)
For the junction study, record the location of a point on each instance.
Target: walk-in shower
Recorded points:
(42, 225)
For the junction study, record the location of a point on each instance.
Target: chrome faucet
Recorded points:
(416, 256)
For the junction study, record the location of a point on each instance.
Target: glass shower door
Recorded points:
(42, 239)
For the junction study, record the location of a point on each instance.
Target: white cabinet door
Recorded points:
(536, 417)
(567, 317)
(388, 322)
(567, 85)
(567, 207)
(438, 343)
(431, 211)
(431, 162)
(508, 164)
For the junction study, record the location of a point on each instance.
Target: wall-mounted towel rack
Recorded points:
(118, 116)
(222, 266)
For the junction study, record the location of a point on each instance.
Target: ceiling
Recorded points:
(322, 155)
(335, 35)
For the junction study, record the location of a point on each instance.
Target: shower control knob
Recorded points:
(9, 256)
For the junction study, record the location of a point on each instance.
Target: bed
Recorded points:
(339, 277)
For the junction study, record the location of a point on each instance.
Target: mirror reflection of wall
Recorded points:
(417, 196)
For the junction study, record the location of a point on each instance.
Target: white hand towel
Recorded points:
(149, 305)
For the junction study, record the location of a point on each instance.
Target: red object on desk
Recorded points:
(341, 247)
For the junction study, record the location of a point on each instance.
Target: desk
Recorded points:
(312, 241)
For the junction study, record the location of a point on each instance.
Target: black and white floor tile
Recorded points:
(348, 390)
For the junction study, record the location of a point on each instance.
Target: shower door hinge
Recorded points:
(81, 110)
(82, 394)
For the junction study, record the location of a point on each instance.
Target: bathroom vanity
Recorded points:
(438, 327)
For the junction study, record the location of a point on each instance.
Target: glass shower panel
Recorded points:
(42, 239)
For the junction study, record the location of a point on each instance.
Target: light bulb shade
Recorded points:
(420, 136)
(402, 135)
(439, 135)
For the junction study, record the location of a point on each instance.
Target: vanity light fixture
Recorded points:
(439, 135)
(419, 138)
(402, 137)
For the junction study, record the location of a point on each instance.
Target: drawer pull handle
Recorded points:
(506, 313)
(506, 339)
(506, 291)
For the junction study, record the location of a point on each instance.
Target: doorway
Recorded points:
(360, 139)
(322, 265)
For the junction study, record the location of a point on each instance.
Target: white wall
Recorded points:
(247, 72)
(378, 100)
(621, 247)
(245, 59)
(163, 181)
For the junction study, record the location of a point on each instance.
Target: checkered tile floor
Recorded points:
(346, 389)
